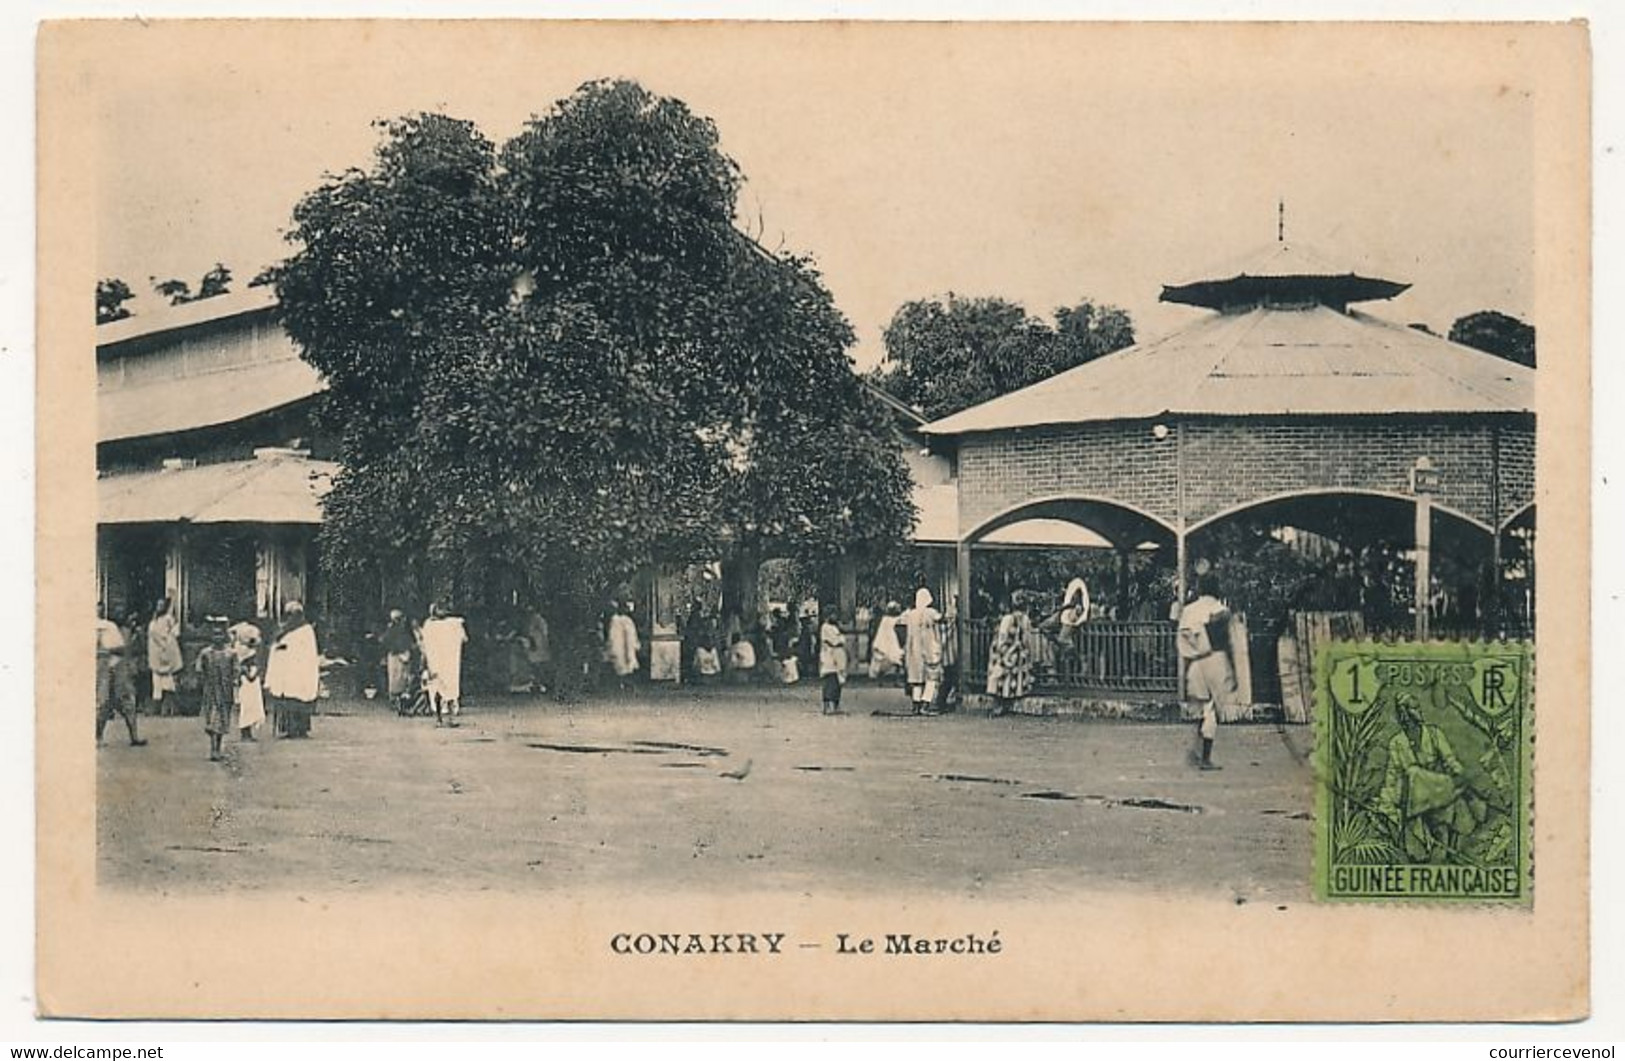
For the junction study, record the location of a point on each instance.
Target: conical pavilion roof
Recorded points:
(1282, 274)
(1307, 355)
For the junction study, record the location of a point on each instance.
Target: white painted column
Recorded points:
(175, 572)
(1424, 562)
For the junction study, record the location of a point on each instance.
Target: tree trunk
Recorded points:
(573, 639)
(741, 586)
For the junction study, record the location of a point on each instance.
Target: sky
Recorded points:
(1045, 164)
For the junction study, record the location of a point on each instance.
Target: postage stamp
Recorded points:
(1423, 757)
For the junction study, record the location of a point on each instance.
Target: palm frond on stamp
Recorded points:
(1359, 835)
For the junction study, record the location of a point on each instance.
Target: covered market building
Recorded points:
(210, 472)
(1311, 458)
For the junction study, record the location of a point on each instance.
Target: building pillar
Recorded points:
(1490, 610)
(1492, 607)
(1181, 591)
(1122, 581)
(104, 562)
(965, 612)
(279, 574)
(1424, 562)
(175, 572)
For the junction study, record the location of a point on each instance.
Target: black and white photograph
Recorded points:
(860, 512)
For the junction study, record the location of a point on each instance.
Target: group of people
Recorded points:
(239, 675)
(1202, 640)
(782, 647)
(426, 658)
(1013, 657)
(911, 644)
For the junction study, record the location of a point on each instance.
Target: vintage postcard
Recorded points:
(823, 521)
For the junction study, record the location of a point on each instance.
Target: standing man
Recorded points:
(443, 639)
(397, 645)
(164, 657)
(539, 651)
(113, 689)
(622, 644)
(293, 673)
(922, 652)
(1204, 645)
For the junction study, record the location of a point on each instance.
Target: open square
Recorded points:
(527, 795)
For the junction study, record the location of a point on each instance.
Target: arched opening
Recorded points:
(1305, 567)
(1117, 523)
(1125, 556)
(1127, 560)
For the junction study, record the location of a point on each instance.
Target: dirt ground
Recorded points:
(530, 795)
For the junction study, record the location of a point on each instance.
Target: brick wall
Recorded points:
(1517, 468)
(1227, 463)
(1120, 462)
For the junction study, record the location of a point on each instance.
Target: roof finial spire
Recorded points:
(1280, 220)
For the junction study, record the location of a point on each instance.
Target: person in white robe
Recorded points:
(164, 658)
(293, 673)
(245, 645)
(886, 652)
(922, 652)
(623, 644)
(443, 637)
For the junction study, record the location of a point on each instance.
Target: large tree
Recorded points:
(944, 355)
(1496, 333)
(553, 362)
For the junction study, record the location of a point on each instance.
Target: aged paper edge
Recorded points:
(105, 954)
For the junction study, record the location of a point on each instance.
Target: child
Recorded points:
(832, 661)
(218, 668)
(250, 699)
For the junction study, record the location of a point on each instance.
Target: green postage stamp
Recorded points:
(1423, 771)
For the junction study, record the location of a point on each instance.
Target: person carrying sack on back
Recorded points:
(1210, 678)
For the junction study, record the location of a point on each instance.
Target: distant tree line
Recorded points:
(950, 353)
(112, 293)
(1493, 333)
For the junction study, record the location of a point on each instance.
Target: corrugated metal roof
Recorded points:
(1266, 362)
(186, 315)
(894, 403)
(281, 488)
(203, 400)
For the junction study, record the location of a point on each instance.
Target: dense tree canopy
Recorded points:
(559, 359)
(944, 355)
(1498, 334)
